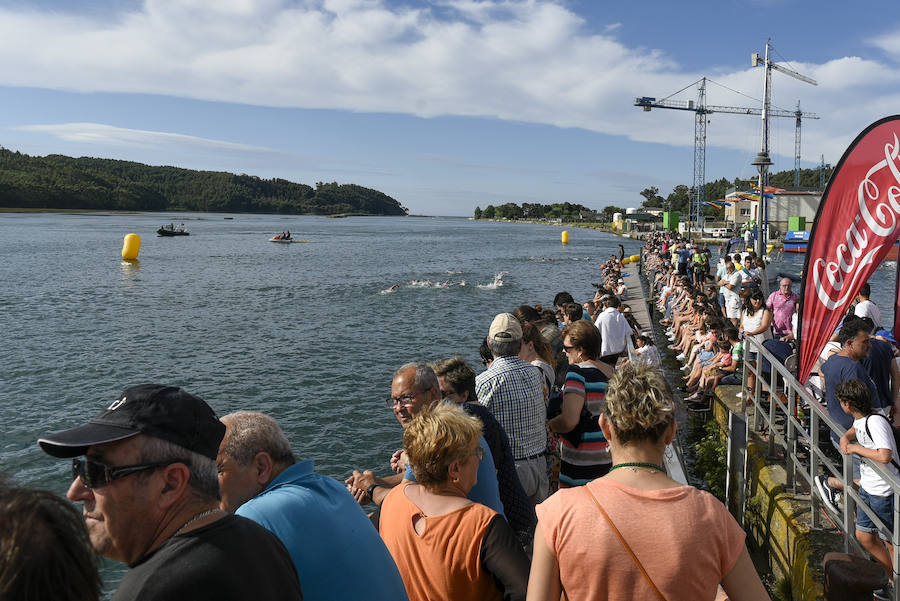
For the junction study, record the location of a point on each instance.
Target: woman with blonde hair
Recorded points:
(583, 457)
(445, 546)
(636, 533)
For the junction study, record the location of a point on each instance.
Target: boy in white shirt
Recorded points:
(875, 437)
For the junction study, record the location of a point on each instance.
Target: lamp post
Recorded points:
(762, 162)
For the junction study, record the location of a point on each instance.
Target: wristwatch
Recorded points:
(371, 492)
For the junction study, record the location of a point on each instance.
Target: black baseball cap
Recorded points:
(165, 412)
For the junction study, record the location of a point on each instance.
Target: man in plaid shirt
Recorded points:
(512, 390)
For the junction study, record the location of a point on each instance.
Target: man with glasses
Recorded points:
(416, 386)
(151, 500)
(261, 480)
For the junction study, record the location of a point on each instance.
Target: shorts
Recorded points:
(733, 309)
(730, 380)
(721, 300)
(883, 508)
(705, 357)
(533, 476)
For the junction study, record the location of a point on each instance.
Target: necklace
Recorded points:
(636, 464)
(199, 516)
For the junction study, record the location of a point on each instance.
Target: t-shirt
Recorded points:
(300, 506)
(882, 438)
(869, 309)
(839, 369)
(685, 539)
(878, 365)
(732, 296)
(232, 558)
(590, 459)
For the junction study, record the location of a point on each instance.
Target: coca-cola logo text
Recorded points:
(863, 241)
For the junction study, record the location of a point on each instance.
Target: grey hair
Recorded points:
(204, 479)
(505, 349)
(249, 433)
(425, 378)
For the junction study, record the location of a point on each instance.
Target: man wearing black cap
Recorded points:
(150, 491)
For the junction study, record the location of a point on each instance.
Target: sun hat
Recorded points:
(165, 412)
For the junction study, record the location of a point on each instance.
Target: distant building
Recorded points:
(789, 203)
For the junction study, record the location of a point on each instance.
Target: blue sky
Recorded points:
(443, 105)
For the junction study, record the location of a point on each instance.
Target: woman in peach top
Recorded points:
(683, 538)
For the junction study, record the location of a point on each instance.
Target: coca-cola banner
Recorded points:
(857, 223)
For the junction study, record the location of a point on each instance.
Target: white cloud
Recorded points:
(525, 60)
(108, 135)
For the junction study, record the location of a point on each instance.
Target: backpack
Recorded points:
(894, 431)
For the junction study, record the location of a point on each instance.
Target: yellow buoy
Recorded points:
(564, 237)
(770, 247)
(635, 258)
(131, 246)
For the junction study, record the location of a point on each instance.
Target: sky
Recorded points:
(444, 105)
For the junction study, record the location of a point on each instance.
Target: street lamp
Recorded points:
(762, 162)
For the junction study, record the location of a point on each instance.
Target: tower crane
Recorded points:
(700, 110)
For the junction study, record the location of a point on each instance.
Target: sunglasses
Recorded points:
(94, 474)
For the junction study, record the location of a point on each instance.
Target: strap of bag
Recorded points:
(622, 540)
(891, 426)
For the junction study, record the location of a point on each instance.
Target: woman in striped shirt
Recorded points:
(585, 388)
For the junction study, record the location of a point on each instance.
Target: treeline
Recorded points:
(61, 182)
(680, 198)
(530, 210)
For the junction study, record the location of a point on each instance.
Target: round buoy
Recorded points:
(131, 246)
(564, 237)
(635, 258)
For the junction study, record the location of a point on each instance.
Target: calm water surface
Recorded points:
(307, 333)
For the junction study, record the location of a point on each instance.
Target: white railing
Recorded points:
(792, 420)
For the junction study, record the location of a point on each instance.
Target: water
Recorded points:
(309, 333)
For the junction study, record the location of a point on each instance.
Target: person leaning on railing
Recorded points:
(588, 544)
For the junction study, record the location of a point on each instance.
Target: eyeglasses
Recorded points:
(94, 474)
(568, 348)
(479, 452)
(407, 400)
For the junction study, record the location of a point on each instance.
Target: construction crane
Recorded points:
(700, 110)
(762, 160)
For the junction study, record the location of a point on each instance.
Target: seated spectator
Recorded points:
(572, 313)
(45, 551)
(695, 544)
(261, 480)
(446, 546)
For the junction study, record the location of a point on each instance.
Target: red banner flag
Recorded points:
(857, 223)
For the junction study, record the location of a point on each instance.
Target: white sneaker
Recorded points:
(681, 357)
(686, 368)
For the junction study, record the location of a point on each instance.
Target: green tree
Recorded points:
(489, 212)
(608, 212)
(477, 212)
(652, 199)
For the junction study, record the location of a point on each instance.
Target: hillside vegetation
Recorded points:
(61, 182)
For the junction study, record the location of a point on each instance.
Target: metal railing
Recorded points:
(791, 422)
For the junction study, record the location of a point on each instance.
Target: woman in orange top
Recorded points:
(683, 538)
(445, 546)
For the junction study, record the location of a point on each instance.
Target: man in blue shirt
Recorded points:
(415, 386)
(336, 550)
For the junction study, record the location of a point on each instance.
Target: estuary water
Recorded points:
(309, 333)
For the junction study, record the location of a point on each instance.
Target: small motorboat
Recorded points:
(170, 230)
(281, 240)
